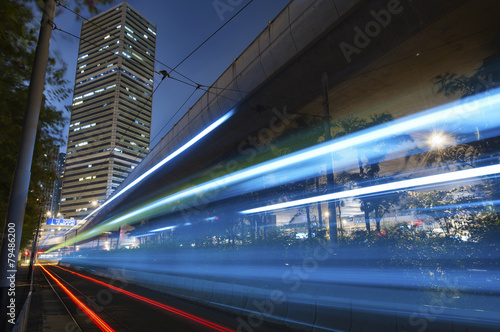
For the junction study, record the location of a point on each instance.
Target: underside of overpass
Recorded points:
(393, 71)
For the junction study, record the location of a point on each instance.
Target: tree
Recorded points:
(472, 151)
(369, 167)
(16, 53)
(484, 79)
(18, 38)
(348, 126)
(459, 213)
(468, 151)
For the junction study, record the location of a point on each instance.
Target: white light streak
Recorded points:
(392, 186)
(472, 110)
(163, 229)
(143, 235)
(183, 148)
(442, 114)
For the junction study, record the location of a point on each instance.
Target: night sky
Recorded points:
(181, 27)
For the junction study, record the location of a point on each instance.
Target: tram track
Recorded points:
(62, 302)
(110, 308)
(76, 300)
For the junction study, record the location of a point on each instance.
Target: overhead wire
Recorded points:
(191, 82)
(213, 34)
(173, 116)
(130, 124)
(198, 86)
(113, 34)
(195, 84)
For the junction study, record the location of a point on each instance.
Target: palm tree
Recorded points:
(478, 150)
(369, 169)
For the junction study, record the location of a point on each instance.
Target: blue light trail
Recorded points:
(171, 156)
(466, 117)
(392, 186)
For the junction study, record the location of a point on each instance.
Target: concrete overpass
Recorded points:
(281, 70)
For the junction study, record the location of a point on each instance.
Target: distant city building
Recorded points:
(48, 188)
(56, 197)
(112, 104)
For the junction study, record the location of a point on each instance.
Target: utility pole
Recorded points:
(22, 173)
(74, 239)
(330, 179)
(118, 237)
(34, 250)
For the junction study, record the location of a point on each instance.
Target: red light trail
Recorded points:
(92, 315)
(155, 303)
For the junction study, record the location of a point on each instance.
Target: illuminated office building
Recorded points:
(111, 112)
(56, 196)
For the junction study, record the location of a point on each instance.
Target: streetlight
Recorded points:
(437, 140)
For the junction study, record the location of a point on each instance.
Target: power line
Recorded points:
(154, 58)
(130, 124)
(165, 75)
(113, 34)
(191, 82)
(213, 34)
(173, 116)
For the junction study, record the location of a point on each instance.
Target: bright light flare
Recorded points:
(437, 140)
(472, 110)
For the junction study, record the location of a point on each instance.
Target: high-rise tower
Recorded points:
(111, 115)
